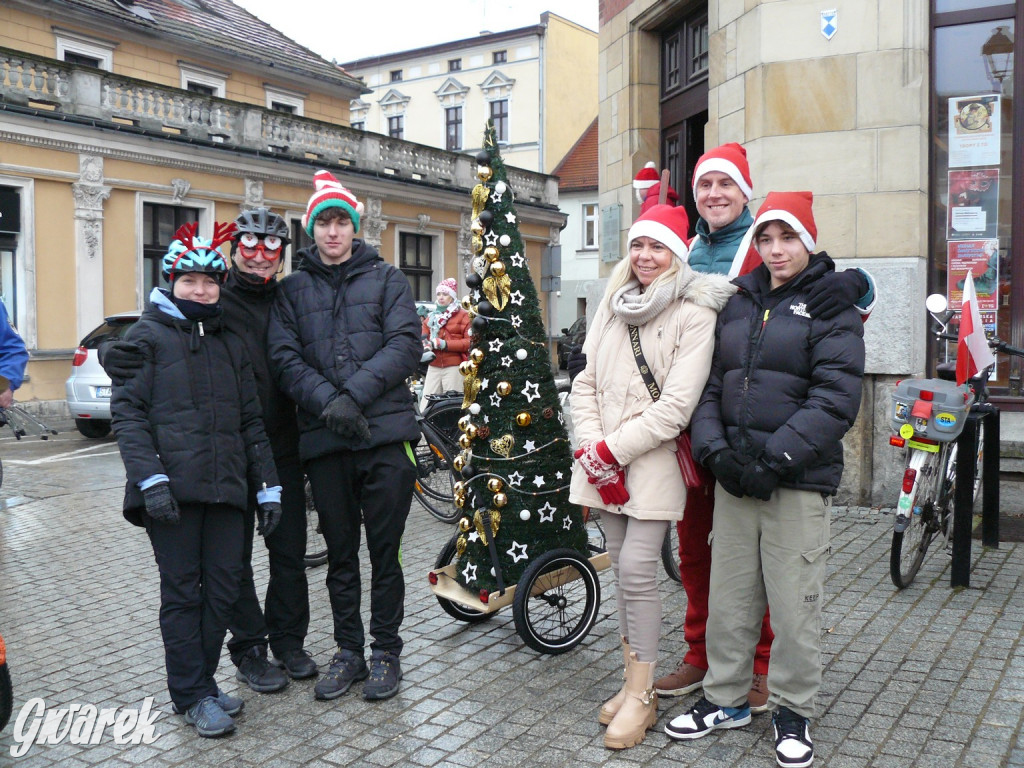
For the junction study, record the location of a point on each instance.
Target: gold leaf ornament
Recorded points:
(503, 445)
(460, 546)
(480, 196)
(470, 386)
(497, 290)
(482, 527)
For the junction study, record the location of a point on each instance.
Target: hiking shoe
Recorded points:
(385, 674)
(209, 719)
(259, 674)
(297, 663)
(231, 705)
(686, 678)
(758, 696)
(705, 717)
(346, 668)
(793, 745)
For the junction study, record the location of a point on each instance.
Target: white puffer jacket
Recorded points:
(611, 402)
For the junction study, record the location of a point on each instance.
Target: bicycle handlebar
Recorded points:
(994, 343)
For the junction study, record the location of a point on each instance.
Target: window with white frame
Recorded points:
(204, 81)
(75, 48)
(590, 226)
(285, 101)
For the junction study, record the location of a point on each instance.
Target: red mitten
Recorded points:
(604, 472)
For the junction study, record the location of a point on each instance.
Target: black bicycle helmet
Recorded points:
(261, 222)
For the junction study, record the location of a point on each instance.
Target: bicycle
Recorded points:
(316, 544)
(929, 415)
(433, 454)
(6, 689)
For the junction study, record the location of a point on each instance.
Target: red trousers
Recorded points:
(695, 570)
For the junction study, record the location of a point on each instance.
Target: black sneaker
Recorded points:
(705, 717)
(297, 663)
(259, 674)
(346, 668)
(385, 674)
(793, 745)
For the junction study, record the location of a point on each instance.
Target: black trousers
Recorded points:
(285, 620)
(374, 486)
(200, 563)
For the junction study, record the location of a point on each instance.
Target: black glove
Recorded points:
(343, 417)
(575, 362)
(268, 515)
(727, 466)
(160, 505)
(120, 359)
(835, 291)
(759, 480)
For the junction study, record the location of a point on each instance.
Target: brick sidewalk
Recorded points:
(924, 677)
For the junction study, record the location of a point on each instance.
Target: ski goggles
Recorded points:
(268, 246)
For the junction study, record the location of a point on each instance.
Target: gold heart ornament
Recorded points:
(503, 445)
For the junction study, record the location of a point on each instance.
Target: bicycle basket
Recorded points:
(932, 408)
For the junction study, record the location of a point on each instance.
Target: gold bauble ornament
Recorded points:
(498, 268)
(465, 441)
(476, 227)
(491, 253)
(460, 546)
(471, 431)
(459, 487)
(523, 419)
(483, 172)
(467, 368)
(494, 485)
(460, 502)
(465, 524)
(504, 388)
(464, 422)
(459, 462)
(467, 302)
(500, 500)
(476, 356)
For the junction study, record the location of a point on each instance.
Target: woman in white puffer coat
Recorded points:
(626, 463)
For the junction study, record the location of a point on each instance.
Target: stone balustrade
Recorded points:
(55, 87)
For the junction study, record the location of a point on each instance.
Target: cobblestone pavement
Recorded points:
(924, 677)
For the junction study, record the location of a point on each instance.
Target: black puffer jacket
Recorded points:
(350, 328)
(786, 388)
(191, 413)
(247, 306)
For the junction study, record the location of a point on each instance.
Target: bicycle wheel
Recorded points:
(6, 691)
(670, 553)
(316, 545)
(453, 609)
(435, 485)
(556, 601)
(927, 512)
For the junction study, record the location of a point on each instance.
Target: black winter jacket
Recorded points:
(191, 413)
(247, 306)
(786, 388)
(352, 329)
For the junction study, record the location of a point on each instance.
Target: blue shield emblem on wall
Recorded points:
(829, 23)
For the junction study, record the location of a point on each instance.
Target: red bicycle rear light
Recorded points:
(899, 442)
(927, 395)
(485, 596)
(80, 356)
(908, 480)
(432, 578)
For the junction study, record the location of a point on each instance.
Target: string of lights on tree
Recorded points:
(515, 460)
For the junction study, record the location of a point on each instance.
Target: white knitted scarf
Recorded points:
(636, 307)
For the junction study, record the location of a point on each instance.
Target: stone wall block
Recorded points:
(836, 163)
(892, 224)
(903, 159)
(883, 97)
(807, 96)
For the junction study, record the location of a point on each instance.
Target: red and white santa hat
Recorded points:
(645, 178)
(330, 193)
(730, 159)
(652, 195)
(793, 208)
(449, 286)
(668, 224)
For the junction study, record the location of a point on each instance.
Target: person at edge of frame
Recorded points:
(648, 356)
(257, 250)
(344, 336)
(190, 431)
(13, 359)
(785, 386)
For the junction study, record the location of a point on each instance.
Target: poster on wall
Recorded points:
(973, 130)
(981, 258)
(973, 204)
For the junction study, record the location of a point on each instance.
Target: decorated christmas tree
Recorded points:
(515, 460)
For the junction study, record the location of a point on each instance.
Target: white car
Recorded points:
(88, 386)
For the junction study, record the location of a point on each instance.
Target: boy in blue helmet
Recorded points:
(189, 428)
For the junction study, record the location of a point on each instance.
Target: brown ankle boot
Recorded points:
(639, 710)
(610, 707)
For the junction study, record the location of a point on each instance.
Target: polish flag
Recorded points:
(972, 350)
